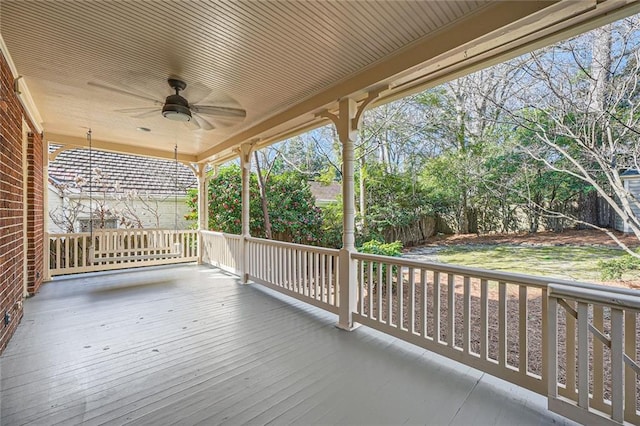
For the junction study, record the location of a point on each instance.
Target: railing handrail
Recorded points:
(313, 249)
(593, 296)
(105, 231)
(508, 277)
(221, 234)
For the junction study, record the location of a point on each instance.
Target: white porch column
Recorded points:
(245, 165)
(347, 132)
(347, 122)
(203, 194)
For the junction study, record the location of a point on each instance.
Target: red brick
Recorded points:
(12, 201)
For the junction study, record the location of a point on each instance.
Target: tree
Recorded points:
(291, 206)
(466, 120)
(580, 101)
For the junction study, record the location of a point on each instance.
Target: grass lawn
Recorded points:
(578, 263)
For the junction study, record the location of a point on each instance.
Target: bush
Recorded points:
(382, 249)
(292, 211)
(332, 225)
(614, 268)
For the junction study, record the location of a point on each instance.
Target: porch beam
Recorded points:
(122, 148)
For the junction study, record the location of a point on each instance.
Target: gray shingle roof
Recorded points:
(630, 173)
(128, 172)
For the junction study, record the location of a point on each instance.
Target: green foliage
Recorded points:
(441, 180)
(393, 200)
(382, 249)
(292, 212)
(332, 225)
(614, 268)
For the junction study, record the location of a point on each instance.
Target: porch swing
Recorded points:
(156, 247)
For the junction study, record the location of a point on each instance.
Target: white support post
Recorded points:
(245, 165)
(347, 122)
(346, 126)
(202, 206)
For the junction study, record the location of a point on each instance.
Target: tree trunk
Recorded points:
(263, 198)
(600, 69)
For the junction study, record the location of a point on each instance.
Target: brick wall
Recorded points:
(12, 202)
(35, 217)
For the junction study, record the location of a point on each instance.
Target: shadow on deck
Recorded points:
(190, 345)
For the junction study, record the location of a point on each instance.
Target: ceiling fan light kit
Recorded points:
(176, 107)
(176, 112)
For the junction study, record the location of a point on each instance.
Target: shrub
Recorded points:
(292, 211)
(614, 268)
(382, 249)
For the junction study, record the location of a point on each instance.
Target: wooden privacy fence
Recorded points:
(573, 342)
(69, 252)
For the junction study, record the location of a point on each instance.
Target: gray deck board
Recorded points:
(190, 345)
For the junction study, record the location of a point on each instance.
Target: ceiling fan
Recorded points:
(176, 107)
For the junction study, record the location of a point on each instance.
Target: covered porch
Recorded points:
(187, 344)
(192, 344)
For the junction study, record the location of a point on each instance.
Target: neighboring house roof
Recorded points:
(325, 193)
(127, 172)
(630, 173)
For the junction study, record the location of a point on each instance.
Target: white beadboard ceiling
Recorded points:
(281, 61)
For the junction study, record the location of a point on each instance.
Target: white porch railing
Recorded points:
(305, 272)
(507, 325)
(69, 253)
(480, 318)
(500, 323)
(222, 250)
(594, 332)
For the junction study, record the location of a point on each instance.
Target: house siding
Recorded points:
(163, 205)
(633, 185)
(13, 199)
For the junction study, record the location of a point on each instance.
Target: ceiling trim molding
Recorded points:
(101, 145)
(21, 90)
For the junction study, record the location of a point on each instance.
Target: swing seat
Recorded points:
(116, 255)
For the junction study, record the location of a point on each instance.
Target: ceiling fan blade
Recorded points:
(151, 113)
(202, 122)
(135, 110)
(219, 111)
(196, 92)
(122, 92)
(193, 123)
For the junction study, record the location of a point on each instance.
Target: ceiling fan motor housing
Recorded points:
(176, 108)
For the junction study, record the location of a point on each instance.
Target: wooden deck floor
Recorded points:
(189, 345)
